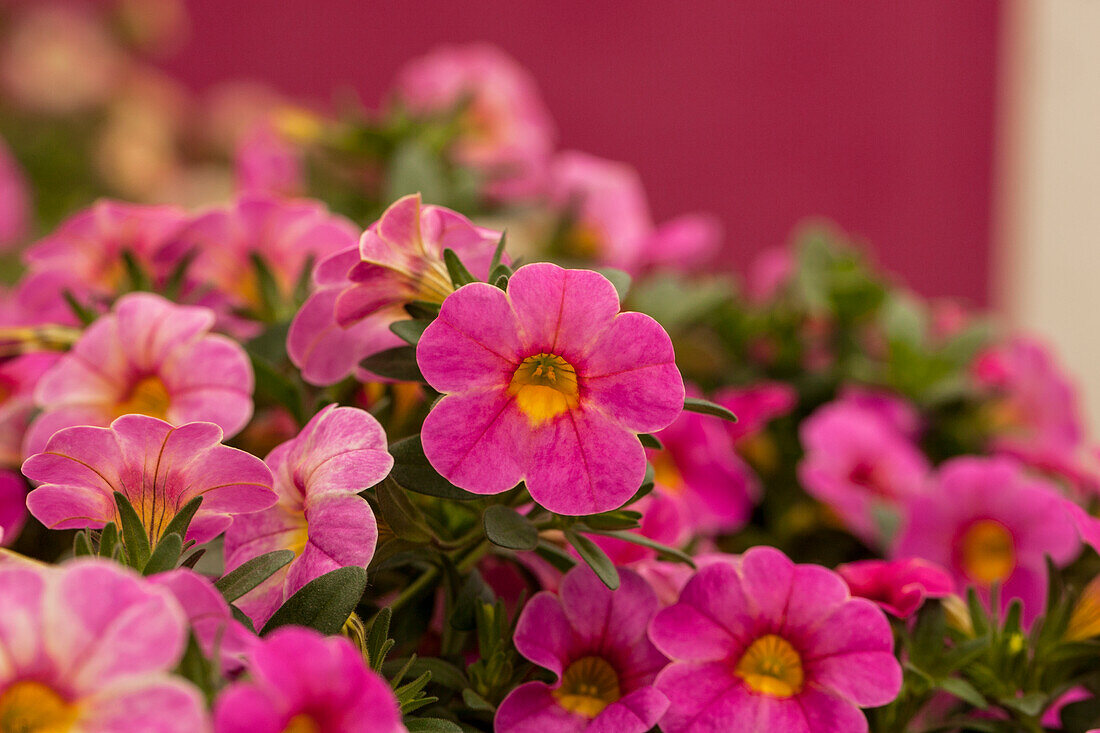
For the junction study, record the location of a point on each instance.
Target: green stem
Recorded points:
(413, 589)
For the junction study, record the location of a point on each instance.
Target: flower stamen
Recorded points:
(771, 666)
(588, 686)
(32, 707)
(545, 386)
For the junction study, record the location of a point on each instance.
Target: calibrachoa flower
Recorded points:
(14, 199)
(90, 647)
(320, 516)
(286, 234)
(18, 379)
(85, 253)
(772, 646)
(861, 467)
(209, 617)
(990, 522)
(610, 220)
(755, 406)
(150, 357)
(362, 290)
(158, 467)
(594, 640)
(300, 681)
(505, 130)
(899, 587)
(13, 505)
(547, 383)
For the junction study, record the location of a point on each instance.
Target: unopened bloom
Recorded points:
(610, 222)
(288, 235)
(149, 357)
(594, 640)
(158, 467)
(990, 522)
(505, 131)
(768, 645)
(362, 290)
(320, 515)
(899, 587)
(86, 254)
(547, 383)
(299, 680)
(860, 466)
(90, 646)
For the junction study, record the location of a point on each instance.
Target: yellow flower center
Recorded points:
(1085, 621)
(583, 240)
(31, 707)
(771, 666)
(302, 724)
(148, 397)
(545, 386)
(588, 686)
(987, 552)
(666, 473)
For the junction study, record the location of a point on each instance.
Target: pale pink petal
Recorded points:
(474, 439)
(562, 312)
(532, 708)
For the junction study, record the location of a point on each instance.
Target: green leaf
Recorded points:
(618, 278)
(275, 387)
(193, 559)
(650, 441)
(637, 539)
(473, 594)
(413, 472)
(135, 273)
(404, 519)
(108, 540)
(963, 690)
(85, 315)
(133, 532)
(398, 363)
(498, 253)
(250, 574)
(323, 604)
(617, 519)
(422, 309)
(182, 520)
(378, 638)
(505, 527)
(475, 701)
(559, 558)
(431, 725)
(82, 546)
(443, 673)
(196, 668)
(165, 557)
(410, 330)
(174, 284)
(706, 407)
(459, 274)
(591, 553)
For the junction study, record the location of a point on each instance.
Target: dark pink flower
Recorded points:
(899, 587)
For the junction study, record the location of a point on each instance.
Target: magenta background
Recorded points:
(876, 114)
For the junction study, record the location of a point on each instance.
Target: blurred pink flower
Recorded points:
(159, 468)
(769, 645)
(362, 290)
(899, 587)
(505, 130)
(90, 646)
(13, 505)
(610, 222)
(15, 204)
(547, 383)
(594, 641)
(149, 357)
(58, 58)
(288, 235)
(302, 681)
(755, 406)
(267, 163)
(769, 273)
(861, 467)
(990, 522)
(320, 516)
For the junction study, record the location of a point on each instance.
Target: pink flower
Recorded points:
(700, 471)
(361, 291)
(85, 253)
(266, 163)
(610, 220)
(664, 520)
(286, 234)
(320, 516)
(150, 357)
(899, 587)
(13, 505)
(505, 130)
(302, 681)
(756, 406)
(549, 384)
(773, 646)
(209, 617)
(158, 467)
(902, 417)
(15, 205)
(989, 522)
(594, 641)
(858, 465)
(769, 273)
(90, 646)
(19, 377)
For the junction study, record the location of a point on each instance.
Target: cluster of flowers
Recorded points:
(494, 498)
